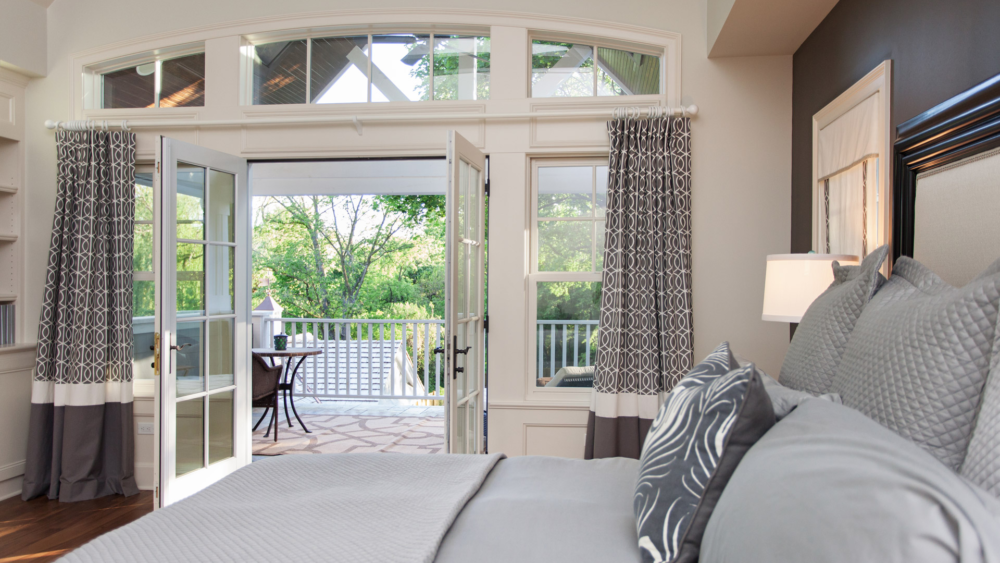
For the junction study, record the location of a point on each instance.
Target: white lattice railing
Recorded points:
(565, 344)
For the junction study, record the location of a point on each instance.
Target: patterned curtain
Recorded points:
(646, 342)
(80, 438)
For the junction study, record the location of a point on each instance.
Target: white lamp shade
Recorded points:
(794, 281)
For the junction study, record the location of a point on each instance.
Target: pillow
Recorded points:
(820, 339)
(784, 400)
(919, 356)
(982, 462)
(828, 484)
(709, 420)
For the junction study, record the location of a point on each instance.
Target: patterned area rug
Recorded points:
(345, 433)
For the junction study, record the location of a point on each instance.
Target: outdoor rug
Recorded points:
(334, 434)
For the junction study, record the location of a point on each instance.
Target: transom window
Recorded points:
(396, 67)
(167, 83)
(561, 69)
(569, 198)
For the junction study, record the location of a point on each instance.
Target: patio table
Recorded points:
(288, 385)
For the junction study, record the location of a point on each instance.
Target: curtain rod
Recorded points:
(358, 120)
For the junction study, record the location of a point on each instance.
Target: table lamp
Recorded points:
(794, 281)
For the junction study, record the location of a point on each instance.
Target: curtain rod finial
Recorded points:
(691, 110)
(49, 124)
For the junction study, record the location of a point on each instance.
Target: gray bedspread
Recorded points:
(304, 508)
(547, 509)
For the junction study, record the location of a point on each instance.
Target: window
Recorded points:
(143, 284)
(560, 69)
(176, 82)
(570, 198)
(396, 67)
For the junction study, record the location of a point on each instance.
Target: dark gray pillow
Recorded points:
(829, 485)
(708, 422)
(919, 356)
(820, 339)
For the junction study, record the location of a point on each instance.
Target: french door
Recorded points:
(202, 238)
(464, 295)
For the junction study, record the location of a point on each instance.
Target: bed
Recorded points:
(826, 483)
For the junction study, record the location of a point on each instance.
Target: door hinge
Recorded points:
(486, 323)
(156, 494)
(157, 166)
(487, 187)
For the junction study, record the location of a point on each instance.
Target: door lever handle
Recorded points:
(181, 347)
(466, 351)
(439, 350)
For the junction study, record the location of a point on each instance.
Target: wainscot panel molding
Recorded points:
(16, 365)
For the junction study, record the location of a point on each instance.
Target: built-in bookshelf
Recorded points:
(12, 158)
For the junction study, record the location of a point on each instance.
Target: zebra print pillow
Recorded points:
(708, 422)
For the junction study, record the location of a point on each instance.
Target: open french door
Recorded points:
(464, 295)
(201, 249)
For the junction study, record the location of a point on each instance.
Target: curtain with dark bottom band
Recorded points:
(646, 339)
(80, 443)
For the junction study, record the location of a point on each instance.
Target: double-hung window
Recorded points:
(569, 198)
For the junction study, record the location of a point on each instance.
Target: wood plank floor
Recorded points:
(43, 530)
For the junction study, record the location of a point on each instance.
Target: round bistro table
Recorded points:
(288, 386)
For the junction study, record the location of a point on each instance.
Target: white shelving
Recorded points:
(12, 159)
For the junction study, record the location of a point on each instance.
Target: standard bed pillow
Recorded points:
(919, 356)
(982, 462)
(828, 485)
(705, 426)
(820, 339)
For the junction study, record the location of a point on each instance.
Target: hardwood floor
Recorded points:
(43, 530)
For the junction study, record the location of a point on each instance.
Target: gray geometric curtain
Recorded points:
(646, 338)
(80, 437)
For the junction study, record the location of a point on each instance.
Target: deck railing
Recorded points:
(565, 343)
(365, 358)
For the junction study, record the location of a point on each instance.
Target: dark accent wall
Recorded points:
(939, 48)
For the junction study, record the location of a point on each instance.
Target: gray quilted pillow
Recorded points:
(919, 356)
(820, 339)
(982, 463)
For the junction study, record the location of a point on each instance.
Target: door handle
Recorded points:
(181, 347)
(156, 353)
(439, 350)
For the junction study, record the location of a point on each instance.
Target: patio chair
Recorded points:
(265, 391)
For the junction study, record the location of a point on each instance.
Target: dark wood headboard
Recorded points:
(963, 126)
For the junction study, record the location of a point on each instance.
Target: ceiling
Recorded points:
(744, 28)
(43, 3)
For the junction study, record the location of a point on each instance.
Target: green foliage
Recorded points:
(364, 257)
(447, 62)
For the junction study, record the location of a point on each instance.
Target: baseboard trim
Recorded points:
(11, 488)
(12, 470)
(144, 476)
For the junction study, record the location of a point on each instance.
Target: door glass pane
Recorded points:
(190, 435)
(144, 196)
(473, 280)
(279, 73)
(190, 358)
(602, 190)
(623, 73)
(220, 426)
(400, 67)
(561, 69)
(220, 355)
(142, 342)
(190, 202)
(565, 246)
(340, 70)
(474, 193)
(461, 67)
(472, 371)
(461, 362)
(599, 265)
(462, 280)
(565, 191)
(567, 334)
(142, 248)
(463, 192)
(182, 82)
(222, 264)
(132, 87)
(190, 278)
(222, 206)
(143, 298)
(461, 432)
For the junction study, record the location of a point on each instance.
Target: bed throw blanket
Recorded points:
(329, 507)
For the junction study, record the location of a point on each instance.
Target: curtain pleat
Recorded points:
(80, 436)
(645, 344)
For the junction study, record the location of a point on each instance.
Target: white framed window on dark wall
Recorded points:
(569, 198)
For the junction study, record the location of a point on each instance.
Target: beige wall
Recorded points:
(741, 146)
(22, 36)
